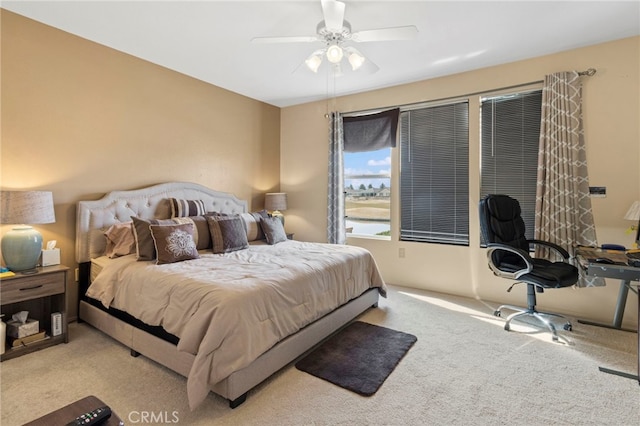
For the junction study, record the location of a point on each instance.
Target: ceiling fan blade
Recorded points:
(408, 32)
(333, 12)
(285, 39)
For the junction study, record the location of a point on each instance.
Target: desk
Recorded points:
(625, 274)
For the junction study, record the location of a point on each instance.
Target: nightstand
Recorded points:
(42, 294)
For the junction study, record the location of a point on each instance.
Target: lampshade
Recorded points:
(634, 211)
(334, 54)
(314, 60)
(634, 214)
(355, 59)
(275, 201)
(22, 245)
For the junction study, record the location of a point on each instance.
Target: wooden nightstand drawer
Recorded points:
(31, 286)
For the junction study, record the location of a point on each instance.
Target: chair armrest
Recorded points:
(503, 247)
(562, 252)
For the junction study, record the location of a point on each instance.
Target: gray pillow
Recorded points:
(174, 243)
(273, 230)
(228, 233)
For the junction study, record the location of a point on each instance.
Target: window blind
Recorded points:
(510, 132)
(434, 174)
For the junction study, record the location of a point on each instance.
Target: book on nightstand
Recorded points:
(27, 340)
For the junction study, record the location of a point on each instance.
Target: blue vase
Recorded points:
(21, 248)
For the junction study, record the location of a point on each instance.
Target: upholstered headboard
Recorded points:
(94, 217)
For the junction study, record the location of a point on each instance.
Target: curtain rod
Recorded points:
(588, 72)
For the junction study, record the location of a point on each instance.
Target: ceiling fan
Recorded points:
(335, 32)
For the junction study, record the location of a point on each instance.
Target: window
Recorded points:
(434, 174)
(510, 132)
(368, 140)
(367, 189)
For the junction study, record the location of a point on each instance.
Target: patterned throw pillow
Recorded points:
(227, 233)
(273, 230)
(186, 208)
(174, 243)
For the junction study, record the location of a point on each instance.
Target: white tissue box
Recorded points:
(51, 257)
(18, 330)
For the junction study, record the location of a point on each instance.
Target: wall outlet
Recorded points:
(401, 252)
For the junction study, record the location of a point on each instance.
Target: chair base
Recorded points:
(540, 316)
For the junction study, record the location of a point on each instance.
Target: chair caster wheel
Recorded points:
(497, 313)
(555, 338)
(568, 326)
(506, 327)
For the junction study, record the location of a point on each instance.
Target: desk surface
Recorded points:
(619, 270)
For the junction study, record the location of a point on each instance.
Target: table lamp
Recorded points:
(21, 247)
(274, 202)
(634, 214)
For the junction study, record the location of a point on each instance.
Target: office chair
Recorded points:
(508, 255)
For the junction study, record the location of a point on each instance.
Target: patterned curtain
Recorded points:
(563, 207)
(336, 233)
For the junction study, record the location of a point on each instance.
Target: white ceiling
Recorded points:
(211, 40)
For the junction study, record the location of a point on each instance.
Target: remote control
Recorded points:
(92, 418)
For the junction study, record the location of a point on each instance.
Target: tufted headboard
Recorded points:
(94, 217)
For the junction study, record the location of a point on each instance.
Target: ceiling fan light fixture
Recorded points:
(313, 62)
(334, 54)
(356, 60)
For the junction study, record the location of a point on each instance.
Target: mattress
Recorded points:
(97, 264)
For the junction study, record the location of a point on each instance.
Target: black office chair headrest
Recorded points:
(503, 207)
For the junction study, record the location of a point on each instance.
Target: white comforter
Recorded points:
(229, 309)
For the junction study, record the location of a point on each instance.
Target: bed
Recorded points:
(207, 318)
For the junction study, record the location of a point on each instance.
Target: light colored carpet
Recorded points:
(464, 369)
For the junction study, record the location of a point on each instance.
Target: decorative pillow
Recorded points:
(120, 240)
(174, 243)
(227, 233)
(145, 250)
(273, 230)
(186, 208)
(252, 224)
(201, 231)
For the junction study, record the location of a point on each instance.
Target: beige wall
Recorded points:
(80, 119)
(611, 121)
